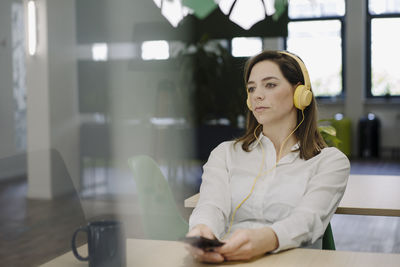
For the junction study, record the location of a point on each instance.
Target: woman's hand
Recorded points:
(245, 244)
(199, 254)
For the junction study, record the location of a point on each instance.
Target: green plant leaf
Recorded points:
(280, 7)
(329, 134)
(330, 130)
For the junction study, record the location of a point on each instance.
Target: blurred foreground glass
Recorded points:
(385, 56)
(319, 44)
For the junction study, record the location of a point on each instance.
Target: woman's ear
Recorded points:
(295, 87)
(297, 84)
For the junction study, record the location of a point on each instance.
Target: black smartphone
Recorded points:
(202, 242)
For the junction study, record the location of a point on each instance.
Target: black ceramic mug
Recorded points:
(106, 244)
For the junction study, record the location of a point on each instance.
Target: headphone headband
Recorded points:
(302, 95)
(303, 68)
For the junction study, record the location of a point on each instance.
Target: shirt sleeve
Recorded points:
(213, 207)
(308, 221)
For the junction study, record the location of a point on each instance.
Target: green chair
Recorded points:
(160, 216)
(328, 243)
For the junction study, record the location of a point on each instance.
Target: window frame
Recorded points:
(341, 19)
(368, 50)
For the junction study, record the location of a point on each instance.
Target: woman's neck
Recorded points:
(281, 139)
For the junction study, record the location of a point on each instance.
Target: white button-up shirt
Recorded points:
(297, 198)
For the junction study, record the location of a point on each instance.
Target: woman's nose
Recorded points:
(258, 93)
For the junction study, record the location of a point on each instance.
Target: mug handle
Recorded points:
(73, 244)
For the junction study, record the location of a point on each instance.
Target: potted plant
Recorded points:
(211, 78)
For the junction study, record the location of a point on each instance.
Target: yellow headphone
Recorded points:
(302, 95)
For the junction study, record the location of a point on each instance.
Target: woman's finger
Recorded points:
(203, 256)
(194, 232)
(243, 253)
(211, 257)
(238, 257)
(201, 230)
(232, 244)
(194, 251)
(208, 234)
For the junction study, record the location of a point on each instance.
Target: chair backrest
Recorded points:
(328, 243)
(160, 217)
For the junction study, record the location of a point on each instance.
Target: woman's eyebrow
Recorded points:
(250, 82)
(269, 78)
(264, 79)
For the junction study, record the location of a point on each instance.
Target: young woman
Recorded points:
(278, 186)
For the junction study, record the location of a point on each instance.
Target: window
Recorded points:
(155, 50)
(315, 33)
(383, 48)
(100, 52)
(246, 47)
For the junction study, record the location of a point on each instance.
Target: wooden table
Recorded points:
(149, 253)
(377, 195)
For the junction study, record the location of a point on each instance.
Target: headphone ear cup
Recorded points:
(302, 97)
(248, 102)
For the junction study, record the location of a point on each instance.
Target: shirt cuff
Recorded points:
(284, 239)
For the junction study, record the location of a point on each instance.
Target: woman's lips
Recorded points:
(260, 109)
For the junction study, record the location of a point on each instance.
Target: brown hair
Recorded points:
(311, 141)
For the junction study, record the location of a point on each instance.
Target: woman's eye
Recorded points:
(250, 89)
(270, 85)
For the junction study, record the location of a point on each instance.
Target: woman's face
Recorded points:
(270, 94)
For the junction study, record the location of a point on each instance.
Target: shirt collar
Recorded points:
(289, 158)
(258, 140)
(261, 137)
(286, 159)
(295, 146)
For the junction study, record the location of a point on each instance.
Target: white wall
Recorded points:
(355, 64)
(64, 116)
(52, 109)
